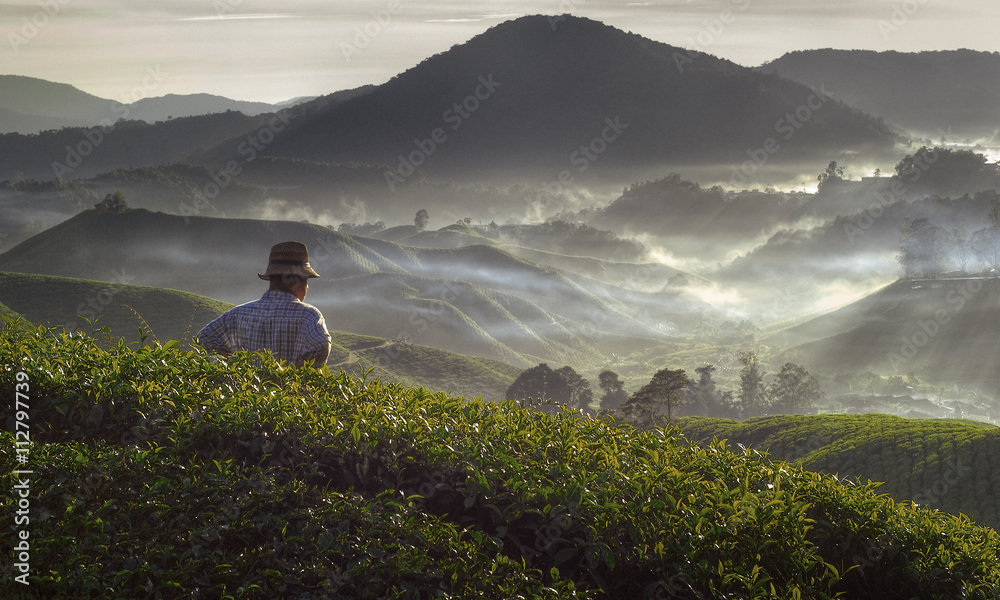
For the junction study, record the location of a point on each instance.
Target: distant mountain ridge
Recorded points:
(941, 93)
(36, 105)
(527, 96)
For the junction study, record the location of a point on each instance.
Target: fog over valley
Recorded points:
(571, 195)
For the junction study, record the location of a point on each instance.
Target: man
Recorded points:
(280, 322)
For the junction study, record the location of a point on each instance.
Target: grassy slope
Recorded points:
(5, 311)
(949, 464)
(158, 473)
(60, 301)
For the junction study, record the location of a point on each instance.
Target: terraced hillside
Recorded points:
(949, 464)
(478, 299)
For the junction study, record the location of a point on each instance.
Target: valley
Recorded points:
(609, 317)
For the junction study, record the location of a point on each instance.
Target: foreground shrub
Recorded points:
(162, 473)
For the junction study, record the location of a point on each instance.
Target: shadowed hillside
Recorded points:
(944, 93)
(948, 330)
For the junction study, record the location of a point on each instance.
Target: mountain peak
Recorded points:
(536, 95)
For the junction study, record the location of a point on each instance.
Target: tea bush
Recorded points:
(164, 473)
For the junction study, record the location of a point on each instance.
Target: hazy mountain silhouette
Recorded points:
(31, 105)
(162, 108)
(529, 93)
(951, 90)
(60, 102)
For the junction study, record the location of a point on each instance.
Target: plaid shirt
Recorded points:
(279, 322)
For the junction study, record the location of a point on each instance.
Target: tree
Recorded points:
(664, 390)
(420, 220)
(613, 388)
(985, 245)
(113, 203)
(540, 383)
(832, 174)
(921, 249)
(751, 383)
(702, 397)
(961, 247)
(794, 389)
(580, 394)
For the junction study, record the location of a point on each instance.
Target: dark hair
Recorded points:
(285, 282)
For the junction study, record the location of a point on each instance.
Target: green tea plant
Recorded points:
(165, 472)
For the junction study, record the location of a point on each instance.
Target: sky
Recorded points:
(272, 51)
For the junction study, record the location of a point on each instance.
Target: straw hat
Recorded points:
(289, 258)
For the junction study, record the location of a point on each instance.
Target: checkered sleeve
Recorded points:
(215, 336)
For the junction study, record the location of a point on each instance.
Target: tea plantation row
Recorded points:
(167, 474)
(949, 464)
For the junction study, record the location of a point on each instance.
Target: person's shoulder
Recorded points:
(309, 307)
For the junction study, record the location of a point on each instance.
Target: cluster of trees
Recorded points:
(792, 390)
(927, 250)
(363, 229)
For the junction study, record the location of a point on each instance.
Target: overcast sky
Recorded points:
(273, 50)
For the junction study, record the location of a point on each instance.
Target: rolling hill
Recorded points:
(950, 465)
(946, 330)
(478, 299)
(530, 98)
(66, 302)
(930, 93)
